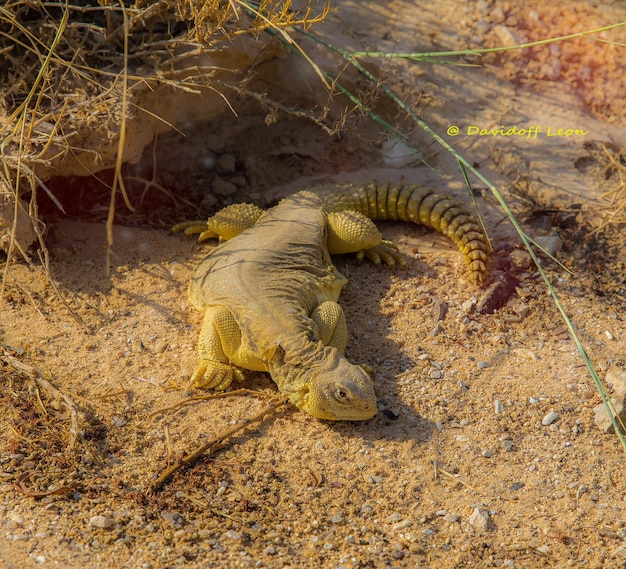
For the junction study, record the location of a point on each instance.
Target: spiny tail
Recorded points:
(418, 205)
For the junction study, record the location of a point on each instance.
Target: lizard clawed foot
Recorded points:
(386, 251)
(199, 228)
(214, 375)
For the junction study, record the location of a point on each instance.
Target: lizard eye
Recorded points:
(342, 395)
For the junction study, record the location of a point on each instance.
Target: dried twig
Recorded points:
(20, 487)
(439, 470)
(215, 443)
(197, 398)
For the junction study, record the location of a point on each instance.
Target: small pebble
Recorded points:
(16, 518)
(520, 308)
(479, 519)
(337, 518)
(402, 525)
(226, 163)
(102, 522)
(223, 188)
(482, 364)
(507, 445)
(498, 407)
(118, 421)
(552, 244)
(487, 453)
(173, 518)
(437, 329)
(451, 518)
(550, 418)
(520, 259)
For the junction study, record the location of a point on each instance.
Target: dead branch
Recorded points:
(215, 443)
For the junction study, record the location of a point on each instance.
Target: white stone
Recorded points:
(550, 418)
(480, 520)
(102, 522)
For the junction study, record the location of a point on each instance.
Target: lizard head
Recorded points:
(337, 390)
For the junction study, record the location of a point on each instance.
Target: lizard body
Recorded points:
(269, 292)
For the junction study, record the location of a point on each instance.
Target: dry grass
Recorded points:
(72, 75)
(40, 419)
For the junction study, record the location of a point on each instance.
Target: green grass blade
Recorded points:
(433, 56)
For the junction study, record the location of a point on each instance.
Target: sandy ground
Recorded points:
(484, 453)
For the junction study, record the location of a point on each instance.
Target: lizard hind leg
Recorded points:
(350, 231)
(220, 335)
(353, 232)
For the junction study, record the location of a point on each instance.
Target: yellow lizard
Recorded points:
(269, 291)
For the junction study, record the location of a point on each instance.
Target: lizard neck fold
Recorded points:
(295, 361)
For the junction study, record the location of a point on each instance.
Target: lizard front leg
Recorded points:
(332, 329)
(331, 325)
(225, 224)
(220, 337)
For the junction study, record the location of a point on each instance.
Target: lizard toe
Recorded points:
(385, 252)
(215, 375)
